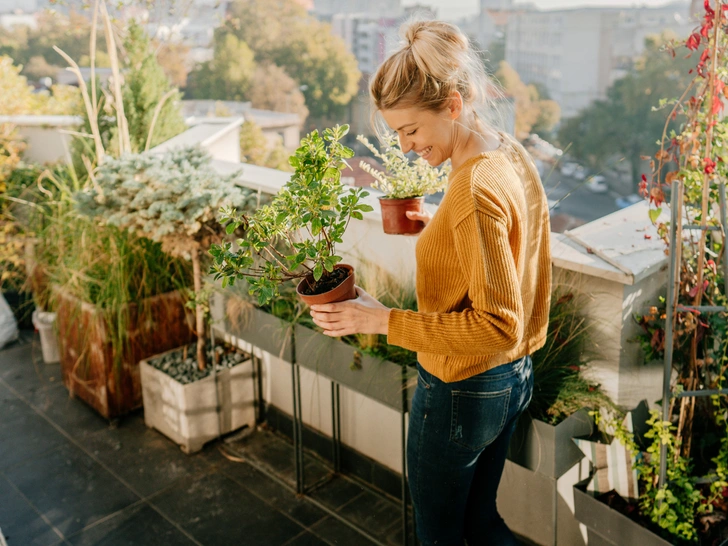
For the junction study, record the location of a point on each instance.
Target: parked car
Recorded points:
(597, 184)
(580, 173)
(628, 200)
(568, 168)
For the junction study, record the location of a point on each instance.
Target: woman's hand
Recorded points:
(423, 216)
(363, 315)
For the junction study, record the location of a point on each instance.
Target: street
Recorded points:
(579, 201)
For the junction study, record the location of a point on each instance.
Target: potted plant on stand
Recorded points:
(683, 476)
(295, 236)
(404, 183)
(173, 198)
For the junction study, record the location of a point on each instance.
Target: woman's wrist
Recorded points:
(384, 322)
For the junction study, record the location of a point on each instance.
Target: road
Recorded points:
(580, 204)
(576, 199)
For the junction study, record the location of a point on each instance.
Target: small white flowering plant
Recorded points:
(403, 178)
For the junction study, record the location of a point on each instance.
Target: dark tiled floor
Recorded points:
(67, 476)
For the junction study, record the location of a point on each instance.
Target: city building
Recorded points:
(326, 9)
(577, 54)
(368, 36)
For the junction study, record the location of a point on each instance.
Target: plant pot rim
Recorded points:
(387, 198)
(146, 362)
(341, 287)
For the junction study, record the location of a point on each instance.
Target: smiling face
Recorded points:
(429, 134)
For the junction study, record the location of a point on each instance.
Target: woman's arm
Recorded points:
(493, 324)
(494, 321)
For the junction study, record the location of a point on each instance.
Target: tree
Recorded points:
(18, 97)
(71, 33)
(174, 199)
(281, 32)
(174, 60)
(531, 110)
(37, 68)
(275, 90)
(145, 88)
(229, 75)
(255, 149)
(625, 122)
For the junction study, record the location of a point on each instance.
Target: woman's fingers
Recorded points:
(423, 216)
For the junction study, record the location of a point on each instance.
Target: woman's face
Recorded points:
(428, 133)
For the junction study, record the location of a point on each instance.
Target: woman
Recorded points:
(483, 286)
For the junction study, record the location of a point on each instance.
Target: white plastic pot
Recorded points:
(44, 323)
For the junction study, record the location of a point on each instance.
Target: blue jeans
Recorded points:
(456, 449)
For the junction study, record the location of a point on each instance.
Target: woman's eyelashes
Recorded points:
(412, 133)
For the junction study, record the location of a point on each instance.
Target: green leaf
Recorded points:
(655, 214)
(365, 208)
(230, 228)
(316, 226)
(318, 271)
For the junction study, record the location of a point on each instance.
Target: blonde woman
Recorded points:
(483, 286)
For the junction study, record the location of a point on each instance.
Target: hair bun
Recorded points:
(412, 30)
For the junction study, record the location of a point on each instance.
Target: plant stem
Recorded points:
(199, 312)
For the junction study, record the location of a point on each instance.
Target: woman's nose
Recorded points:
(406, 145)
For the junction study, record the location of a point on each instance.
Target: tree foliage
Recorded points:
(229, 75)
(275, 90)
(255, 149)
(145, 87)
(172, 198)
(69, 32)
(626, 122)
(281, 32)
(532, 112)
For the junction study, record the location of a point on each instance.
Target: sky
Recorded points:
(455, 9)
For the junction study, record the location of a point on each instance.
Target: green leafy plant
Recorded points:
(171, 198)
(676, 506)
(560, 388)
(402, 178)
(692, 155)
(296, 235)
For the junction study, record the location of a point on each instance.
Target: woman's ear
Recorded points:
(455, 107)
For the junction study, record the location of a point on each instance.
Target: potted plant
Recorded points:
(622, 503)
(542, 454)
(683, 468)
(295, 236)
(404, 183)
(172, 198)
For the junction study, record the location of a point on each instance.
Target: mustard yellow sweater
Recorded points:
(483, 269)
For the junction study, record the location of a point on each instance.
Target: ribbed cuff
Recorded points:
(396, 327)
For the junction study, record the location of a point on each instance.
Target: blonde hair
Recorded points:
(435, 59)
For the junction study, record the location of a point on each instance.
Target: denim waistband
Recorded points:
(509, 370)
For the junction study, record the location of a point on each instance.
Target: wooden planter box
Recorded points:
(549, 449)
(607, 527)
(380, 380)
(193, 414)
(87, 357)
(258, 328)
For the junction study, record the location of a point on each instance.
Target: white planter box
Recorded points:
(188, 414)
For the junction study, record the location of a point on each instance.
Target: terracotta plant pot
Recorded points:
(394, 219)
(345, 291)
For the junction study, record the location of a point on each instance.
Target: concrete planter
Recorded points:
(549, 449)
(607, 527)
(193, 414)
(535, 496)
(260, 329)
(380, 380)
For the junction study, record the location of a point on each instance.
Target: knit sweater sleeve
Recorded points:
(493, 323)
